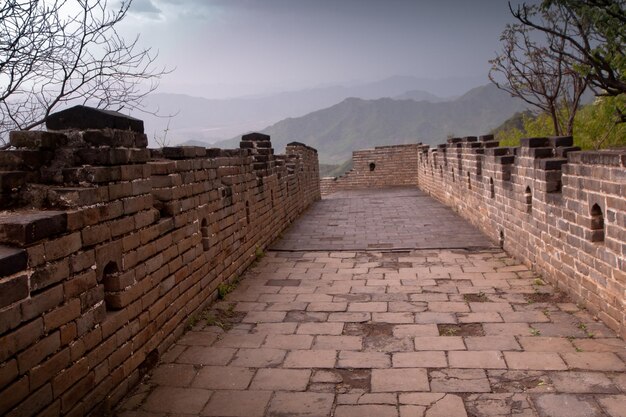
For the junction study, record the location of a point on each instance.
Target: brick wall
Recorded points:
(107, 248)
(383, 166)
(557, 209)
(560, 210)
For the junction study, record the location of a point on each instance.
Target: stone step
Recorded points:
(70, 197)
(25, 228)
(12, 260)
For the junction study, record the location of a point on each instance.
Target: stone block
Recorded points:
(12, 260)
(13, 289)
(255, 137)
(28, 160)
(534, 142)
(26, 228)
(35, 139)
(550, 164)
(83, 118)
(561, 141)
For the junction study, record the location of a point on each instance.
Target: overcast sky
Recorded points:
(228, 48)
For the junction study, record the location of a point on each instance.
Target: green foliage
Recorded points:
(532, 126)
(596, 126)
(226, 288)
(603, 59)
(191, 322)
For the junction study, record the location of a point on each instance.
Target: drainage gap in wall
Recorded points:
(151, 360)
(528, 197)
(372, 166)
(597, 224)
(204, 231)
(492, 190)
(109, 275)
(501, 238)
(469, 181)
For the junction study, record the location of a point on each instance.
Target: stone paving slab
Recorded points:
(327, 333)
(380, 219)
(386, 303)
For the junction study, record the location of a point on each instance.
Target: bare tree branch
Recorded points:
(597, 35)
(539, 69)
(51, 55)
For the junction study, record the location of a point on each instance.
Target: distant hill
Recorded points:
(210, 120)
(335, 170)
(357, 124)
(419, 95)
(514, 122)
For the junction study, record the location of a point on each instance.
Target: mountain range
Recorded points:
(209, 120)
(356, 123)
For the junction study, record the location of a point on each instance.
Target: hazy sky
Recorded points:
(226, 48)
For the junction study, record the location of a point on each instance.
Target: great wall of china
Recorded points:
(107, 248)
(560, 210)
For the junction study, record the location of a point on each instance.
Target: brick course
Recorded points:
(383, 166)
(122, 245)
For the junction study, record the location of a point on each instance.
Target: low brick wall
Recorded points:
(559, 210)
(383, 166)
(107, 248)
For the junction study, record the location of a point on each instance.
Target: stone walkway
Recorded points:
(415, 333)
(394, 218)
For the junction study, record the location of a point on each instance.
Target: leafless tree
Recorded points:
(55, 52)
(539, 70)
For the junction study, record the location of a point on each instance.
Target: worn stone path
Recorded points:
(393, 218)
(416, 333)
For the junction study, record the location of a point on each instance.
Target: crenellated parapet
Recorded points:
(558, 209)
(108, 247)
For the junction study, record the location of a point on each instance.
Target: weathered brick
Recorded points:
(27, 228)
(8, 372)
(49, 369)
(42, 302)
(12, 260)
(49, 274)
(63, 246)
(20, 339)
(66, 379)
(13, 394)
(13, 289)
(38, 352)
